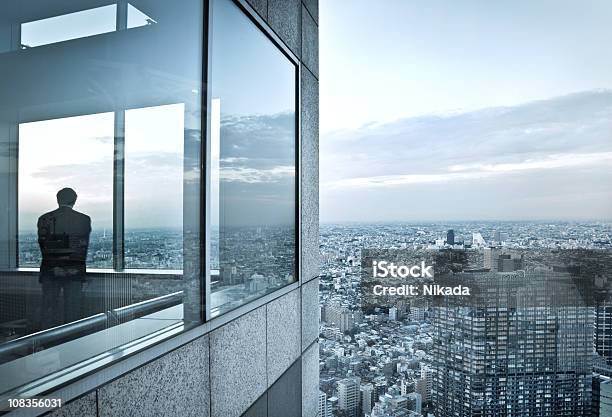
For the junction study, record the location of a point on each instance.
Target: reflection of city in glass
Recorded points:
(153, 179)
(252, 160)
(104, 104)
(147, 249)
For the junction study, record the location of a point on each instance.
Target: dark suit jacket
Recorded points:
(63, 236)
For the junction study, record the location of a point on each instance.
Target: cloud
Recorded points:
(543, 159)
(258, 142)
(253, 176)
(567, 125)
(477, 171)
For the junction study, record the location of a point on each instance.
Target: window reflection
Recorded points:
(72, 152)
(69, 26)
(154, 139)
(115, 114)
(81, 24)
(253, 165)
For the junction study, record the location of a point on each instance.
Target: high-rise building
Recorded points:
(502, 355)
(380, 386)
(500, 236)
(424, 384)
(407, 386)
(509, 262)
(478, 240)
(605, 399)
(393, 313)
(603, 332)
(324, 405)
(497, 261)
(491, 255)
(414, 402)
(603, 347)
(341, 316)
(366, 392)
(598, 379)
(348, 396)
(417, 314)
(450, 237)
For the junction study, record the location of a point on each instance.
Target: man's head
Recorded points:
(66, 197)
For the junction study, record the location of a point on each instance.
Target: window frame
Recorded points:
(276, 41)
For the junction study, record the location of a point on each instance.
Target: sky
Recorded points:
(444, 110)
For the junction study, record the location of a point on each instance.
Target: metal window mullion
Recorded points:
(13, 169)
(119, 165)
(119, 192)
(121, 18)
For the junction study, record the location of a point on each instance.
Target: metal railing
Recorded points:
(60, 334)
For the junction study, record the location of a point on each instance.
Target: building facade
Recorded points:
(605, 403)
(506, 357)
(349, 396)
(188, 132)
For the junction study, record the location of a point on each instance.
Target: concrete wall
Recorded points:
(265, 362)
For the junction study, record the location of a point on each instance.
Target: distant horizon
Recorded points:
(369, 222)
(374, 222)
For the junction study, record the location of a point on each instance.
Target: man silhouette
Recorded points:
(63, 236)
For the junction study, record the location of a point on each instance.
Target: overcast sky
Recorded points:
(445, 110)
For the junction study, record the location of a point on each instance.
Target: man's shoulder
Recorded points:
(57, 213)
(81, 216)
(48, 215)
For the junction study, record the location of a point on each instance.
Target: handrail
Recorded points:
(88, 325)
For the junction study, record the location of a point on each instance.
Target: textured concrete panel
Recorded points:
(284, 18)
(284, 335)
(260, 6)
(310, 312)
(310, 43)
(310, 175)
(175, 384)
(310, 381)
(313, 8)
(238, 364)
(84, 406)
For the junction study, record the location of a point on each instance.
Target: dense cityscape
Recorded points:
(413, 359)
(144, 249)
(409, 358)
(246, 262)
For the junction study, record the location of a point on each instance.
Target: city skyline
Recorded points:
(407, 356)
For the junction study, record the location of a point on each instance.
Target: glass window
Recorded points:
(73, 151)
(100, 168)
(252, 207)
(154, 139)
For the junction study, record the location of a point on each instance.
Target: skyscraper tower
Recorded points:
(367, 398)
(504, 356)
(324, 405)
(603, 331)
(450, 237)
(348, 396)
